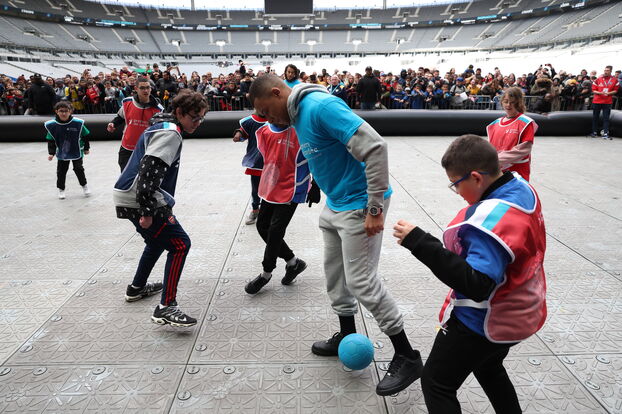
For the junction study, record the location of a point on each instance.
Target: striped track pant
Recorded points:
(164, 234)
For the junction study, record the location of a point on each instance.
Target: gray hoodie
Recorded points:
(366, 145)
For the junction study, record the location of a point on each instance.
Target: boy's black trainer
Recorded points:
(292, 271)
(255, 285)
(402, 372)
(330, 347)
(172, 315)
(133, 294)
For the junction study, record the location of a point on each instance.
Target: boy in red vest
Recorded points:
(512, 135)
(492, 261)
(135, 113)
(253, 160)
(285, 183)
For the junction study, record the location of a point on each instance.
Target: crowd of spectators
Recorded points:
(546, 89)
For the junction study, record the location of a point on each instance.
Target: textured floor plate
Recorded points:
(601, 375)
(26, 305)
(290, 388)
(278, 324)
(70, 343)
(543, 385)
(97, 326)
(88, 389)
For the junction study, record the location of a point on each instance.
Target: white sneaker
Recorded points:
(86, 190)
(61, 194)
(252, 217)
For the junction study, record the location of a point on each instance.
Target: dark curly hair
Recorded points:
(294, 68)
(188, 101)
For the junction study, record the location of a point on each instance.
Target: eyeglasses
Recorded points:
(195, 119)
(454, 186)
(144, 88)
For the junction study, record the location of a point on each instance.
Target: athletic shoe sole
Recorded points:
(162, 321)
(139, 297)
(322, 353)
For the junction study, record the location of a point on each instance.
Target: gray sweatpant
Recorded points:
(351, 268)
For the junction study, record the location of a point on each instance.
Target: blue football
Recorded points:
(356, 351)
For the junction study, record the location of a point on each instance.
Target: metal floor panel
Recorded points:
(89, 389)
(287, 388)
(70, 343)
(26, 305)
(96, 325)
(543, 385)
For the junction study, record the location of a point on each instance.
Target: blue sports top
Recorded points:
(324, 125)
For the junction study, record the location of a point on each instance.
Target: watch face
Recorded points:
(373, 211)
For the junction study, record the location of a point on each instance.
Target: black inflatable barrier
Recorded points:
(404, 122)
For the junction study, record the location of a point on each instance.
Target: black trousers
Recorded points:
(272, 223)
(457, 352)
(124, 157)
(254, 191)
(61, 172)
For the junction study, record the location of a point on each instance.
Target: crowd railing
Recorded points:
(533, 103)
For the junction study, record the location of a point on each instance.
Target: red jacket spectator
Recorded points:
(605, 84)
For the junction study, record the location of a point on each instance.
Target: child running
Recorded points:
(144, 194)
(284, 184)
(66, 137)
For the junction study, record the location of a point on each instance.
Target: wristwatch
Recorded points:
(374, 211)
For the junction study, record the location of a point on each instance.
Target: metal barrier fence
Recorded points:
(226, 103)
(532, 103)
(238, 103)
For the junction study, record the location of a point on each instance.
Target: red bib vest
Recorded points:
(280, 151)
(516, 309)
(504, 137)
(136, 121)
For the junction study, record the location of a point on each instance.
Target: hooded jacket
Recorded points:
(344, 188)
(41, 98)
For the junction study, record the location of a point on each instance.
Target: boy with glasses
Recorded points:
(135, 113)
(144, 194)
(493, 264)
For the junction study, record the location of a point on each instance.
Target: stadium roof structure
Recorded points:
(259, 4)
(106, 27)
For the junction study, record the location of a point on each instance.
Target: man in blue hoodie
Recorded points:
(349, 162)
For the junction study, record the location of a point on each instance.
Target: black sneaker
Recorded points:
(133, 294)
(255, 285)
(292, 271)
(329, 347)
(402, 372)
(173, 316)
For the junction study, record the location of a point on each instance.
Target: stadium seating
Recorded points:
(89, 43)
